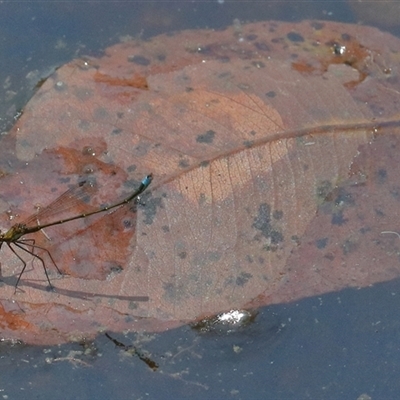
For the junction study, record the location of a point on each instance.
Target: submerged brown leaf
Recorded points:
(275, 156)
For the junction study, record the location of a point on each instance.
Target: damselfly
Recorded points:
(13, 237)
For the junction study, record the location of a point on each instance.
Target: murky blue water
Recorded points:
(340, 345)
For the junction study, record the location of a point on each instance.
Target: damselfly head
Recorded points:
(147, 180)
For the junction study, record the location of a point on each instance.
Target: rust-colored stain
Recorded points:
(14, 322)
(138, 82)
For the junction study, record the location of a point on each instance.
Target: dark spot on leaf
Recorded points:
(243, 278)
(224, 75)
(323, 190)
(379, 212)
(251, 37)
(150, 207)
(141, 150)
(133, 305)
(208, 137)
(295, 239)
(271, 94)
(277, 214)
(335, 203)
(223, 59)
(346, 37)
(100, 113)
(183, 164)
(204, 164)
(317, 25)
(295, 37)
(182, 255)
(249, 258)
(165, 228)
(213, 256)
(172, 292)
(127, 223)
(248, 143)
(276, 237)
(395, 192)
(161, 57)
(349, 246)
(120, 115)
(132, 168)
(344, 198)
(140, 60)
(62, 180)
(338, 219)
(263, 223)
(116, 131)
(262, 46)
(382, 175)
(321, 243)
(189, 89)
(329, 256)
